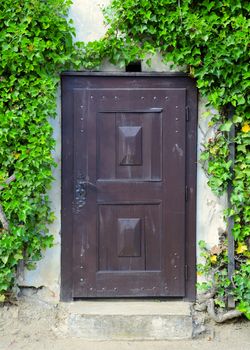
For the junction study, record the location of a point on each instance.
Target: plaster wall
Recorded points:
(88, 18)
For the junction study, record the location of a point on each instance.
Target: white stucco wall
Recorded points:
(87, 17)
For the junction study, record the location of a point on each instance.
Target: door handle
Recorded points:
(88, 183)
(81, 191)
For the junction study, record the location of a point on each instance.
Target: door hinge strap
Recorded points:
(186, 193)
(187, 113)
(186, 272)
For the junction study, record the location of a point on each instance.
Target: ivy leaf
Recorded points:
(213, 259)
(226, 126)
(4, 258)
(2, 298)
(241, 248)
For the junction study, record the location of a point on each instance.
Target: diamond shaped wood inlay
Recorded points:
(130, 145)
(129, 237)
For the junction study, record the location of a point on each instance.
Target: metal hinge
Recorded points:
(186, 193)
(187, 113)
(186, 272)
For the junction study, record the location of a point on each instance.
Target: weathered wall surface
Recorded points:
(87, 17)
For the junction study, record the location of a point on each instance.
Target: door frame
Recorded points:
(181, 80)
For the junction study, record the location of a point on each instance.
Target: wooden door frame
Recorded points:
(181, 80)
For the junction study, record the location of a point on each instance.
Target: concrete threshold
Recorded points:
(129, 320)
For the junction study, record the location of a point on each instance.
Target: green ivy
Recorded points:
(215, 271)
(210, 40)
(217, 281)
(35, 46)
(241, 289)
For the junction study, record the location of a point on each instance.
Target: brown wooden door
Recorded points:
(125, 186)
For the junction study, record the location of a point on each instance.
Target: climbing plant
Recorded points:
(35, 46)
(210, 41)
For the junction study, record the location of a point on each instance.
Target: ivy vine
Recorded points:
(209, 38)
(35, 46)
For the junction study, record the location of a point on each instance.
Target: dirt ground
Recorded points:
(33, 327)
(231, 338)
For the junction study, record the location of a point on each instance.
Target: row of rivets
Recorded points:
(175, 266)
(117, 98)
(176, 120)
(177, 131)
(81, 130)
(81, 255)
(116, 289)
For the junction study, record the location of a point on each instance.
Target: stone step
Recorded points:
(128, 320)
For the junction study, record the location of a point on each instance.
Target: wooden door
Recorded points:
(125, 186)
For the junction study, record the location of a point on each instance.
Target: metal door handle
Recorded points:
(80, 193)
(90, 184)
(81, 190)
